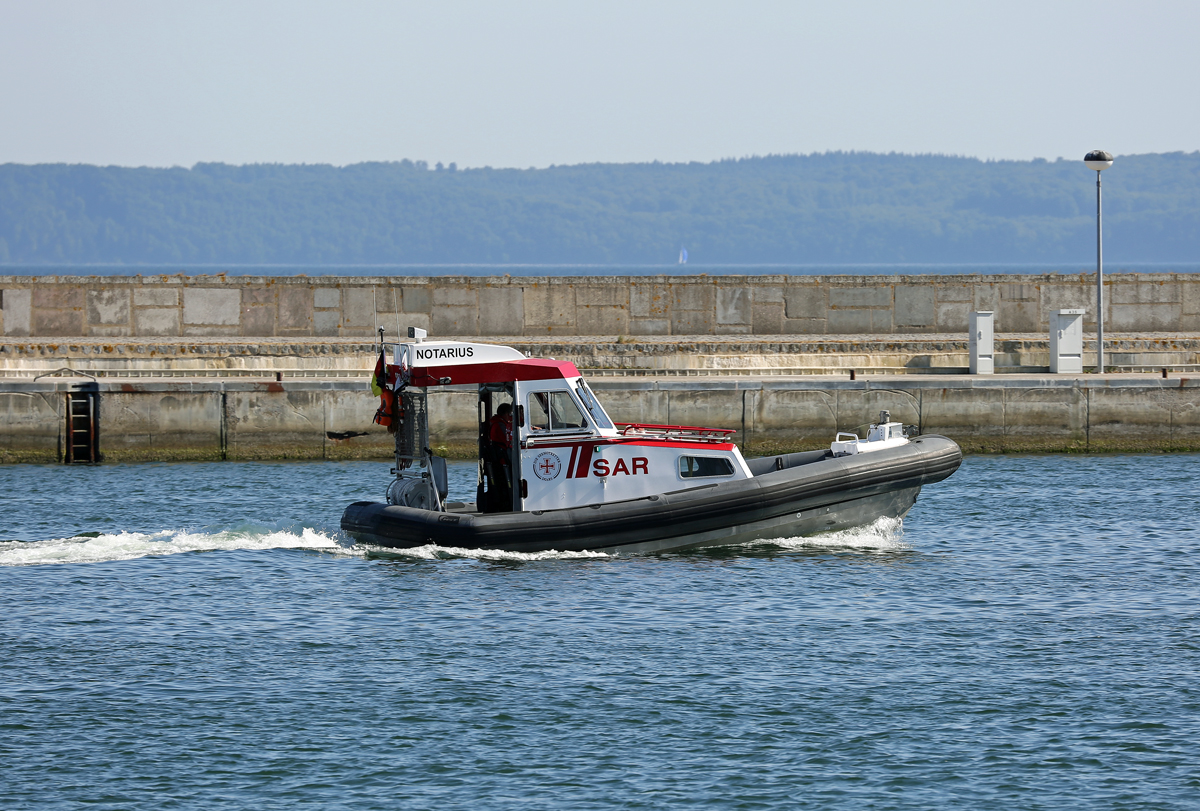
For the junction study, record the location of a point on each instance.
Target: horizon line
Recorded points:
(439, 166)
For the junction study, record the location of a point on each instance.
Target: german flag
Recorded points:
(379, 378)
(385, 414)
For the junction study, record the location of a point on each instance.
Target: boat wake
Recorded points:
(103, 547)
(435, 552)
(882, 535)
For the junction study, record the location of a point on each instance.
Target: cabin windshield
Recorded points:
(554, 411)
(593, 406)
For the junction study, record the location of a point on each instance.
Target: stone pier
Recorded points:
(198, 307)
(219, 367)
(210, 419)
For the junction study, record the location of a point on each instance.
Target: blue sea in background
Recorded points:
(594, 270)
(1027, 638)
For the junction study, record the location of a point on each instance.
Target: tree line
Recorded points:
(821, 208)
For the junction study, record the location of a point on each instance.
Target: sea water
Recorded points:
(200, 636)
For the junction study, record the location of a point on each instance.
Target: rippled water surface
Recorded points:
(1029, 638)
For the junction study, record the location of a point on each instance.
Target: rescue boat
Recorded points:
(556, 473)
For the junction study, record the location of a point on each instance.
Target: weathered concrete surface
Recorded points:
(343, 306)
(330, 419)
(161, 420)
(31, 424)
(284, 361)
(749, 354)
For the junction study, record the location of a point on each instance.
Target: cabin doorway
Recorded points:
(497, 457)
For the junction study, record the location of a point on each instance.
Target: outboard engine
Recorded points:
(419, 491)
(412, 492)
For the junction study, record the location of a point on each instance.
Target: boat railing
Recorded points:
(686, 433)
(556, 437)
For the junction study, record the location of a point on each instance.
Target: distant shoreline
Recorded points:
(805, 215)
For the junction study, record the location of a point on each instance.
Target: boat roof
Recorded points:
(447, 363)
(503, 372)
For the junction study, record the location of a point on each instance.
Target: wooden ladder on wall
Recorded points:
(83, 425)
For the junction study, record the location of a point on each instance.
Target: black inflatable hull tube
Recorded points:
(813, 492)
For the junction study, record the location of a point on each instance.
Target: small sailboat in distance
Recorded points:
(683, 256)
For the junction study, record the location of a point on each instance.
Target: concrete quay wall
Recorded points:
(110, 307)
(308, 419)
(662, 356)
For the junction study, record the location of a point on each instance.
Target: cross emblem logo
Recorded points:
(546, 466)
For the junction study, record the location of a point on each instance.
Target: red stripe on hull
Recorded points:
(585, 460)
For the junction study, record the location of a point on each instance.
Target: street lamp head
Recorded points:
(1098, 160)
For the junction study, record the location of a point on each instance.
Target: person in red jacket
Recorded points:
(498, 460)
(500, 427)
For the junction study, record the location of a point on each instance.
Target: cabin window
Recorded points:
(554, 411)
(699, 467)
(592, 405)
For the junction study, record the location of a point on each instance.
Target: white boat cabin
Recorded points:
(545, 441)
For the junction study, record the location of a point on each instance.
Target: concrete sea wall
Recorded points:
(108, 307)
(216, 367)
(598, 356)
(331, 419)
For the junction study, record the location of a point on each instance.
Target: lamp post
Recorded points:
(1099, 160)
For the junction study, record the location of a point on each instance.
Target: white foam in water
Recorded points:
(131, 545)
(435, 552)
(882, 535)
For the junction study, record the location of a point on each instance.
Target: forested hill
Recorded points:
(827, 208)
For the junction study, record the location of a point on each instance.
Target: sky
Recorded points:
(531, 84)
